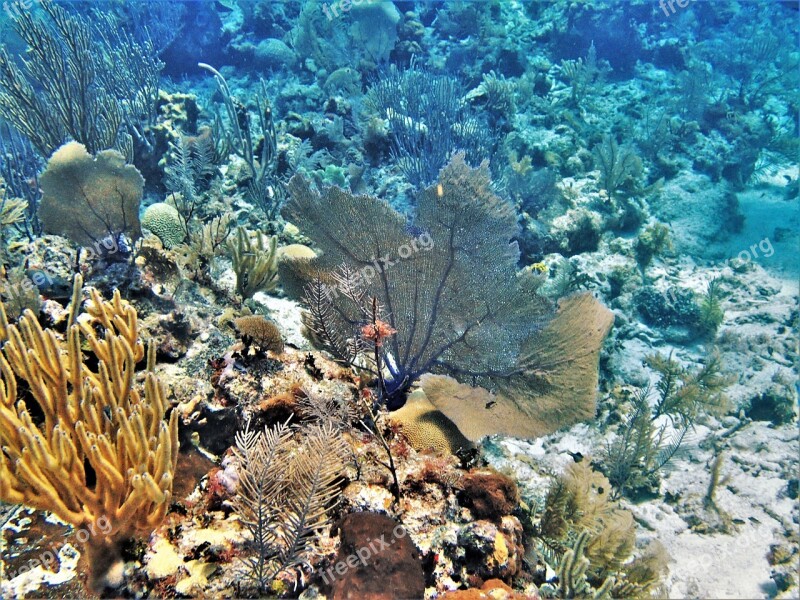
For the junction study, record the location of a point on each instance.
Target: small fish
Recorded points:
(576, 456)
(414, 230)
(49, 285)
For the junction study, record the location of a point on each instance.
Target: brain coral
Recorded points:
(164, 221)
(427, 428)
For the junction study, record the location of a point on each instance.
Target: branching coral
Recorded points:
(427, 121)
(572, 580)
(591, 539)
(206, 243)
(80, 441)
(287, 487)
(191, 164)
(582, 75)
(254, 262)
(711, 314)
(260, 156)
(19, 292)
(20, 170)
(12, 214)
(497, 93)
(619, 166)
(76, 81)
(646, 442)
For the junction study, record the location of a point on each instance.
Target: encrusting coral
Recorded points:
(84, 443)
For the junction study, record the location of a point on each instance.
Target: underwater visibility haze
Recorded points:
(399, 299)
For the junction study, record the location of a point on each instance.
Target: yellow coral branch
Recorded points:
(90, 417)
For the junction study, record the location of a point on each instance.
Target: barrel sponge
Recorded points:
(427, 428)
(165, 221)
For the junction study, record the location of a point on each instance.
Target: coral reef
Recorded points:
(385, 245)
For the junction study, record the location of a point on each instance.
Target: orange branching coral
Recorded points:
(83, 442)
(377, 332)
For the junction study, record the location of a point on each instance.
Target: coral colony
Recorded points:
(398, 299)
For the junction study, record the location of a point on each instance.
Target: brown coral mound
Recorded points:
(488, 494)
(262, 332)
(494, 589)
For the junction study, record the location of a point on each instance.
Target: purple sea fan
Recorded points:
(461, 308)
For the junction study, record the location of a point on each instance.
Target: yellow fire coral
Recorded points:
(81, 442)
